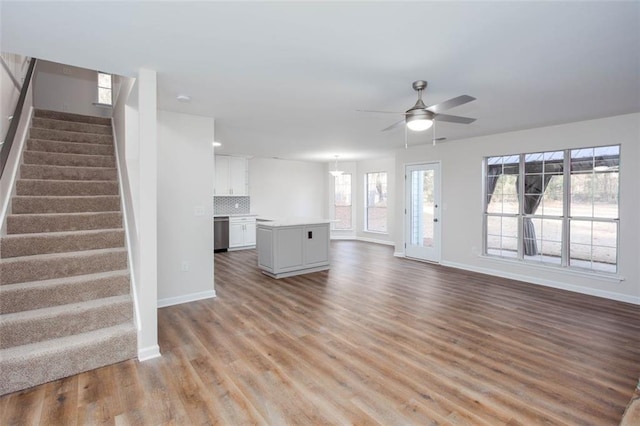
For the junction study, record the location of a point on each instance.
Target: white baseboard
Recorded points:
(148, 353)
(548, 283)
(363, 239)
(398, 254)
(192, 297)
(373, 240)
(344, 237)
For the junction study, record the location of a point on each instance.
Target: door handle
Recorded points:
(435, 219)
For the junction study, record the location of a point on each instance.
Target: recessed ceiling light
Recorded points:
(183, 98)
(216, 144)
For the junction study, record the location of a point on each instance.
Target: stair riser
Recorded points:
(75, 160)
(62, 135)
(27, 224)
(23, 269)
(34, 171)
(37, 368)
(77, 118)
(65, 188)
(28, 205)
(69, 147)
(70, 291)
(31, 330)
(72, 126)
(30, 244)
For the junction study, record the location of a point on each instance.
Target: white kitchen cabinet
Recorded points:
(231, 175)
(242, 232)
(287, 248)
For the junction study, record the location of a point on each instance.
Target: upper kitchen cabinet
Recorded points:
(231, 175)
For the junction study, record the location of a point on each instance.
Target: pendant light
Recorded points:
(336, 172)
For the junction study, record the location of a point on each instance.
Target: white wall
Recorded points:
(67, 88)
(122, 120)
(462, 200)
(284, 188)
(370, 166)
(185, 207)
(147, 226)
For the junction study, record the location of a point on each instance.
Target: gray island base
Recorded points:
(292, 246)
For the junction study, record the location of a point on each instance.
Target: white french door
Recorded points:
(422, 212)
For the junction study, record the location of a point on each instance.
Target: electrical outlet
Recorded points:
(185, 266)
(65, 107)
(198, 211)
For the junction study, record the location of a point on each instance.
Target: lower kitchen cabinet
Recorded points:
(242, 233)
(287, 248)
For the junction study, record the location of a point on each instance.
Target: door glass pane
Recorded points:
(422, 208)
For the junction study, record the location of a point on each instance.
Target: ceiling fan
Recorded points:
(420, 117)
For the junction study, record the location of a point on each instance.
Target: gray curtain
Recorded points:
(493, 173)
(534, 187)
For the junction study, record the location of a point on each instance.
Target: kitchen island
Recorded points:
(292, 246)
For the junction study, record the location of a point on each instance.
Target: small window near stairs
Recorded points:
(105, 91)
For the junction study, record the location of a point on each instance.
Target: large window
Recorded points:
(342, 202)
(375, 185)
(105, 89)
(557, 207)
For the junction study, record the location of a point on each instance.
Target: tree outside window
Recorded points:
(376, 202)
(342, 202)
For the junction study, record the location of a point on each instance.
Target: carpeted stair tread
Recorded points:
(69, 147)
(59, 222)
(41, 171)
(67, 204)
(74, 126)
(64, 159)
(49, 187)
(68, 116)
(16, 245)
(31, 295)
(29, 365)
(57, 265)
(23, 328)
(67, 136)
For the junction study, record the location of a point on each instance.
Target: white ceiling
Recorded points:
(285, 79)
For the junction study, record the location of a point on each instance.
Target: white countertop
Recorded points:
(292, 221)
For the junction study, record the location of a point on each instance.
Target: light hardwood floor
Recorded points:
(375, 340)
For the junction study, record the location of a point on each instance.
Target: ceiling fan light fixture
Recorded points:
(419, 125)
(419, 119)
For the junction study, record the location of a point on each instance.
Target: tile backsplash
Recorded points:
(227, 205)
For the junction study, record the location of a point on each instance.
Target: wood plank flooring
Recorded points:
(374, 340)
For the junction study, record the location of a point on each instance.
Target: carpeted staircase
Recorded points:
(65, 303)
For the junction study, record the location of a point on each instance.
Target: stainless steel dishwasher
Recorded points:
(220, 233)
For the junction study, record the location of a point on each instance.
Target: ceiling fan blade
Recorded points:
(451, 103)
(380, 112)
(394, 125)
(454, 119)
